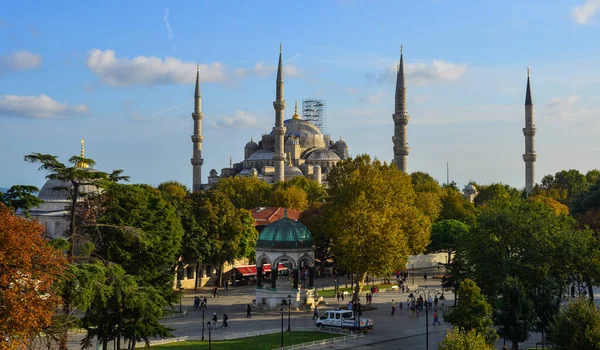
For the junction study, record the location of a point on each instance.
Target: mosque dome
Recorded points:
(263, 154)
(285, 233)
(340, 144)
(323, 154)
(292, 171)
(251, 144)
(213, 173)
(298, 126)
(470, 188)
(56, 190)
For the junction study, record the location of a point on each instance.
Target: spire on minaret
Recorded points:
(197, 138)
(230, 162)
(401, 119)
(279, 128)
(296, 116)
(529, 132)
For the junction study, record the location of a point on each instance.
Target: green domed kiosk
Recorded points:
(290, 243)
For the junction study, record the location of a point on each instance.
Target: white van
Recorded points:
(343, 319)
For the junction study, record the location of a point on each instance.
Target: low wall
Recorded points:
(422, 261)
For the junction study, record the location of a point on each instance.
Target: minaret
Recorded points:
(401, 118)
(279, 129)
(197, 136)
(529, 131)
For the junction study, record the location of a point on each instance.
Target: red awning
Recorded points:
(250, 270)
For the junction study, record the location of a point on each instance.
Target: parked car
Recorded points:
(343, 319)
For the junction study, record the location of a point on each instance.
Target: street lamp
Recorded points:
(281, 312)
(426, 293)
(289, 311)
(202, 324)
(209, 340)
(413, 268)
(180, 299)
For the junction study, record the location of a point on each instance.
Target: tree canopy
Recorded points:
(245, 192)
(576, 327)
(372, 205)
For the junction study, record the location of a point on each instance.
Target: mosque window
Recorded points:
(190, 272)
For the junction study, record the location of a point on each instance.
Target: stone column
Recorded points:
(295, 275)
(273, 279)
(259, 277)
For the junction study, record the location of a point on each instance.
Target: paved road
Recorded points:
(401, 331)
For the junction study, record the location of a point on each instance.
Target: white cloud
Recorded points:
(39, 107)
(585, 12)
(241, 120)
(289, 70)
(143, 70)
(20, 60)
(373, 99)
(569, 109)
(421, 73)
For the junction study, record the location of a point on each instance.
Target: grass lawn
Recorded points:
(267, 341)
(329, 293)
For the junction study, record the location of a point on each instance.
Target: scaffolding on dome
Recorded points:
(313, 110)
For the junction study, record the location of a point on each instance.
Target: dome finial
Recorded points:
(296, 116)
(285, 213)
(251, 140)
(82, 164)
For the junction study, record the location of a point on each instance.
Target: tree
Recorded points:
(559, 208)
(564, 185)
(472, 312)
(313, 219)
(428, 194)
(315, 192)
(30, 268)
(231, 231)
(245, 192)
(196, 247)
(592, 176)
(576, 327)
(74, 177)
(456, 207)
(514, 313)
(21, 197)
(291, 197)
(497, 191)
(444, 236)
(464, 340)
(372, 206)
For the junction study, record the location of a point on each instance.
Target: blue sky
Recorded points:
(120, 74)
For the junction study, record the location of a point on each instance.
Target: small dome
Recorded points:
(340, 144)
(285, 233)
(213, 173)
(59, 190)
(253, 171)
(470, 188)
(292, 171)
(251, 144)
(323, 154)
(263, 154)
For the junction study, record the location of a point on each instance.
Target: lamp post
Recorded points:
(180, 299)
(281, 312)
(426, 293)
(202, 324)
(413, 268)
(209, 339)
(289, 312)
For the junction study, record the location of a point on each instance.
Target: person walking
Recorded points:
(393, 307)
(225, 318)
(436, 318)
(338, 296)
(248, 311)
(315, 313)
(425, 276)
(214, 320)
(342, 297)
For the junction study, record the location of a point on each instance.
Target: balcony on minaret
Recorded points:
(530, 157)
(197, 138)
(401, 118)
(197, 161)
(530, 131)
(197, 115)
(402, 150)
(279, 105)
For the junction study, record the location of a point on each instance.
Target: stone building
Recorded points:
(294, 147)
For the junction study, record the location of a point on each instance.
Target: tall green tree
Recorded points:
(464, 340)
(576, 327)
(378, 224)
(445, 236)
(231, 230)
(514, 314)
(246, 192)
(428, 194)
(497, 192)
(473, 312)
(315, 192)
(21, 197)
(564, 185)
(313, 219)
(456, 207)
(75, 174)
(290, 197)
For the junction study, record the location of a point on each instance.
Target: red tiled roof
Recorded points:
(266, 215)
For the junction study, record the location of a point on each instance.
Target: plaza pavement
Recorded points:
(405, 330)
